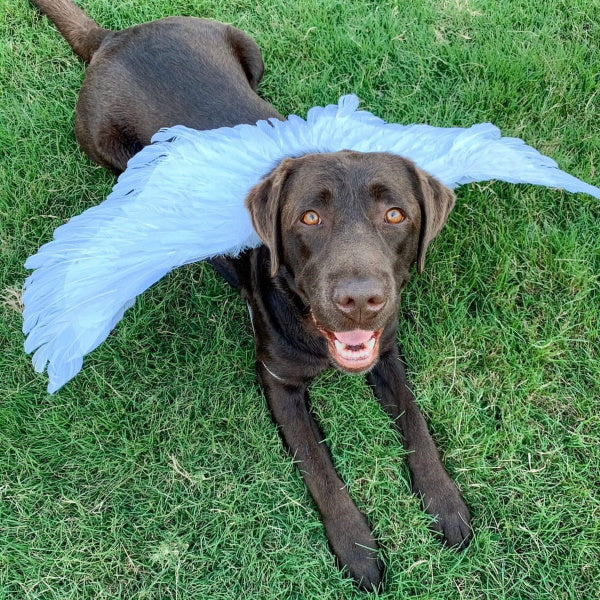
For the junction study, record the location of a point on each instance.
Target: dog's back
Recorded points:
(174, 71)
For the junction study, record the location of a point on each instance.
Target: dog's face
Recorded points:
(347, 226)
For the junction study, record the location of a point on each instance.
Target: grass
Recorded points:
(157, 473)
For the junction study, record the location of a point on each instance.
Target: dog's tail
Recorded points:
(83, 34)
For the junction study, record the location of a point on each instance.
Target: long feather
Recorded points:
(181, 200)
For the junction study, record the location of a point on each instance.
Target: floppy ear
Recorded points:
(264, 204)
(436, 201)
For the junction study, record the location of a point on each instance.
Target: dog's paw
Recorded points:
(355, 549)
(453, 522)
(452, 517)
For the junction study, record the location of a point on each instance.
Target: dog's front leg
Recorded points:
(347, 528)
(440, 496)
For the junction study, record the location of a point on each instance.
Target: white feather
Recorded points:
(181, 200)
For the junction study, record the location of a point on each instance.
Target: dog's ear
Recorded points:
(264, 204)
(436, 201)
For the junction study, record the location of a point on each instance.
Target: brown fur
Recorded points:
(343, 274)
(175, 71)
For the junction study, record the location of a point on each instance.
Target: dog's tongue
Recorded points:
(353, 338)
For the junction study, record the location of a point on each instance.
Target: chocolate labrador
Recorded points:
(341, 232)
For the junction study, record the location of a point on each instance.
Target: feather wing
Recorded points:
(181, 200)
(161, 214)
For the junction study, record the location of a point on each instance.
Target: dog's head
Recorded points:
(347, 226)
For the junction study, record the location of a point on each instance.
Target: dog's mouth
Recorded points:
(353, 351)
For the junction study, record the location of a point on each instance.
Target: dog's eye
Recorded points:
(394, 216)
(310, 217)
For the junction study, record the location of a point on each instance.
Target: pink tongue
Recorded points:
(353, 338)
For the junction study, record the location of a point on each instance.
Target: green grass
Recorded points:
(157, 473)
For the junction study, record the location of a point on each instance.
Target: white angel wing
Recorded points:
(181, 200)
(163, 213)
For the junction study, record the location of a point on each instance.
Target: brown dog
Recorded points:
(341, 233)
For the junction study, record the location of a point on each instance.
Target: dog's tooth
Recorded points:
(370, 344)
(339, 346)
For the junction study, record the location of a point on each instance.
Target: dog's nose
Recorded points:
(359, 299)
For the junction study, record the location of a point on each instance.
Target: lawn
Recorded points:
(157, 472)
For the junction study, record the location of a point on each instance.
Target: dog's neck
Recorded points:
(285, 281)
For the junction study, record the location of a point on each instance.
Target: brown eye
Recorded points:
(310, 217)
(394, 216)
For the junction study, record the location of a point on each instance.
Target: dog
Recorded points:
(341, 233)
